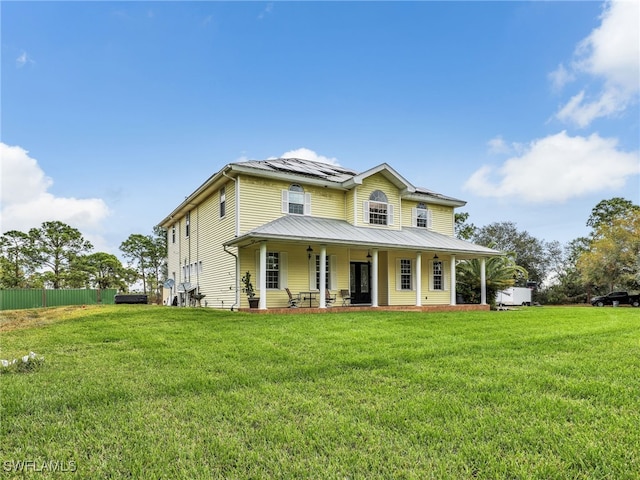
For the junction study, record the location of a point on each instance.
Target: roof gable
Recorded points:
(389, 173)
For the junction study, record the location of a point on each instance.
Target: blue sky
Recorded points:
(113, 112)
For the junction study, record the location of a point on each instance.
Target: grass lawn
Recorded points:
(168, 393)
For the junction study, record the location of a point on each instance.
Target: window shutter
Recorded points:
(285, 201)
(413, 275)
(307, 204)
(256, 280)
(333, 272)
(284, 270)
(312, 272)
(430, 280)
(398, 275)
(429, 219)
(390, 210)
(365, 211)
(414, 217)
(446, 276)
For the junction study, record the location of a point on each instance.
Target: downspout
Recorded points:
(236, 185)
(237, 302)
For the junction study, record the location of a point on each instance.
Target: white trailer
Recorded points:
(514, 296)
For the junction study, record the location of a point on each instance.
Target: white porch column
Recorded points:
(418, 279)
(483, 281)
(453, 280)
(374, 278)
(323, 276)
(262, 280)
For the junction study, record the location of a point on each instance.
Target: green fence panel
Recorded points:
(58, 298)
(15, 299)
(21, 298)
(107, 296)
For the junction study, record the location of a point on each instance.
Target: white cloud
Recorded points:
(560, 77)
(26, 201)
(23, 59)
(307, 154)
(610, 53)
(557, 168)
(497, 145)
(267, 10)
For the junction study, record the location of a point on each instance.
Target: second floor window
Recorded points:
(421, 216)
(188, 224)
(173, 234)
(377, 210)
(296, 201)
(223, 202)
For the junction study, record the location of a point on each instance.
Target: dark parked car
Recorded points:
(623, 298)
(130, 298)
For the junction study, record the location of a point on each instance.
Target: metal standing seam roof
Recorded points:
(332, 231)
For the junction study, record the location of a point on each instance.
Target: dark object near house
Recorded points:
(616, 298)
(137, 298)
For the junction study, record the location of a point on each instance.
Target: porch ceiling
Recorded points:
(298, 228)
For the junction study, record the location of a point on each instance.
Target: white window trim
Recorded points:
(366, 214)
(285, 203)
(414, 217)
(332, 274)
(445, 276)
(399, 275)
(283, 270)
(223, 201)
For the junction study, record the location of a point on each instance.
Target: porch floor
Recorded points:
(365, 308)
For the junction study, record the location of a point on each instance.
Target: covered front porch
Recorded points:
(317, 260)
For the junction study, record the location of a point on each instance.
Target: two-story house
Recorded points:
(309, 227)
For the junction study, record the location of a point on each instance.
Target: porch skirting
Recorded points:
(394, 308)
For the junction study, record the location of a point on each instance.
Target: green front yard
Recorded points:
(158, 392)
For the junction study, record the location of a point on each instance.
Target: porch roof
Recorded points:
(299, 228)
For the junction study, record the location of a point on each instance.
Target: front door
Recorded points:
(360, 283)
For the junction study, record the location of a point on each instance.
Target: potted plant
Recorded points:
(248, 289)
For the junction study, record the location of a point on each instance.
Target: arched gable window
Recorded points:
(377, 210)
(296, 201)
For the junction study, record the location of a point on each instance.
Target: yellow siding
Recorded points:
(443, 217)
(203, 248)
(298, 274)
(427, 296)
(379, 182)
(383, 278)
(399, 297)
(261, 201)
(326, 203)
(350, 198)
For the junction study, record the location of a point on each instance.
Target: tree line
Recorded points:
(56, 255)
(607, 259)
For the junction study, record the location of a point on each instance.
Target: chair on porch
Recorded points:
(330, 298)
(346, 297)
(293, 300)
